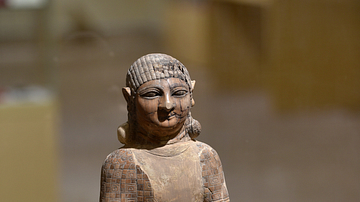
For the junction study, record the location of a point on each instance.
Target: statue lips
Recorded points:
(164, 115)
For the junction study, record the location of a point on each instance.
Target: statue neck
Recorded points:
(144, 140)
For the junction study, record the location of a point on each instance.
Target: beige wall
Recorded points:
(186, 31)
(304, 53)
(108, 18)
(314, 53)
(29, 152)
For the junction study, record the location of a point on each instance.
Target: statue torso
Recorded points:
(187, 171)
(174, 171)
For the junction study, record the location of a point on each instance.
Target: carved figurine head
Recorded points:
(158, 93)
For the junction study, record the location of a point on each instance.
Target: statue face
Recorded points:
(162, 106)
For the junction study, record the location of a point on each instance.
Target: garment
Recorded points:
(188, 171)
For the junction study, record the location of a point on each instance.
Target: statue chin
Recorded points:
(193, 128)
(159, 137)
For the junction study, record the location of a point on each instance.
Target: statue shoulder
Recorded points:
(120, 157)
(206, 151)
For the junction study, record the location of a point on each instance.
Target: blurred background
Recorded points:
(277, 92)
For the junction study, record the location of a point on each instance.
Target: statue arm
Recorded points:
(110, 179)
(213, 176)
(122, 179)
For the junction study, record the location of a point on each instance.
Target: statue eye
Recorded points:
(151, 94)
(180, 93)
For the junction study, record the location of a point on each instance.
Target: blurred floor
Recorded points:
(312, 156)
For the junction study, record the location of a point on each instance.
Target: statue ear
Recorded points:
(193, 84)
(127, 93)
(192, 89)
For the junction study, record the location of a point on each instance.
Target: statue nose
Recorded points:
(167, 102)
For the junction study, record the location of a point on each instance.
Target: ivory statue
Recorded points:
(161, 160)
